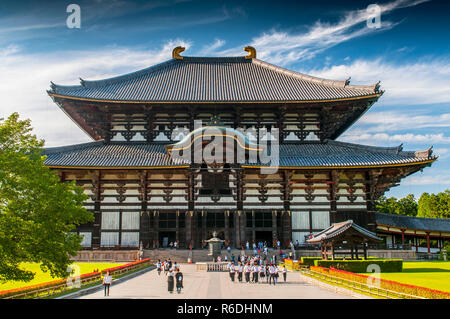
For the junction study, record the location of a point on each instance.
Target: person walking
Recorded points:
(256, 273)
(247, 273)
(232, 272)
(107, 280)
(267, 273)
(275, 275)
(261, 273)
(240, 271)
(179, 280)
(166, 267)
(158, 267)
(284, 272)
(170, 280)
(272, 274)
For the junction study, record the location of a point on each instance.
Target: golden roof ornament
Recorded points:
(176, 53)
(251, 52)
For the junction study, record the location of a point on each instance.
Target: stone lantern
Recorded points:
(214, 245)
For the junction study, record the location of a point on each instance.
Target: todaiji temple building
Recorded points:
(142, 195)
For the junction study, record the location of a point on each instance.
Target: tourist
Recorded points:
(170, 280)
(275, 275)
(232, 259)
(107, 280)
(171, 245)
(166, 267)
(179, 280)
(159, 266)
(272, 274)
(240, 271)
(170, 263)
(284, 272)
(247, 245)
(175, 265)
(229, 249)
(232, 272)
(261, 272)
(226, 258)
(255, 273)
(175, 245)
(247, 273)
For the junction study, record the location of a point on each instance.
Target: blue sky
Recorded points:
(409, 54)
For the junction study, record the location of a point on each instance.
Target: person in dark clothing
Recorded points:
(179, 280)
(170, 280)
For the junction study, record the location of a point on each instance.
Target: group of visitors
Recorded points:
(173, 273)
(255, 269)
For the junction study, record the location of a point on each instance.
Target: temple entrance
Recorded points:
(264, 236)
(166, 237)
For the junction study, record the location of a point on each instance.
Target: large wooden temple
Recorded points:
(139, 193)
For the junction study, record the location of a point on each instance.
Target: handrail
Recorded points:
(380, 292)
(62, 286)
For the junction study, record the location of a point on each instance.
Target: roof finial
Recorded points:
(176, 53)
(251, 52)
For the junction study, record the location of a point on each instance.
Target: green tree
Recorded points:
(37, 211)
(403, 206)
(435, 205)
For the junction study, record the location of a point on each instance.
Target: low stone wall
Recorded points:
(106, 256)
(201, 255)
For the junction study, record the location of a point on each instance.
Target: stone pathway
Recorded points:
(215, 285)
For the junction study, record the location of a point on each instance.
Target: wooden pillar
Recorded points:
(177, 223)
(365, 250)
(334, 180)
(227, 226)
(428, 242)
(403, 236)
(156, 227)
(96, 183)
(274, 225)
(189, 227)
(332, 250)
(351, 251)
(326, 251)
(356, 251)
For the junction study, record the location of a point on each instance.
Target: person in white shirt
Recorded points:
(272, 274)
(159, 266)
(240, 271)
(284, 270)
(247, 273)
(107, 280)
(275, 275)
(232, 272)
(256, 273)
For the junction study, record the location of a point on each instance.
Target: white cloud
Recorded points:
(26, 77)
(383, 138)
(396, 121)
(428, 179)
(412, 83)
(283, 48)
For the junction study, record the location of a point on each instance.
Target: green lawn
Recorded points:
(41, 277)
(430, 274)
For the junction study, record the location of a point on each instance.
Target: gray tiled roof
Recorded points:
(227, 79)
(418, 223)
(339, 228)
(313, 154)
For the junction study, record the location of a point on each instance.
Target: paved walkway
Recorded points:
(215, 285)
